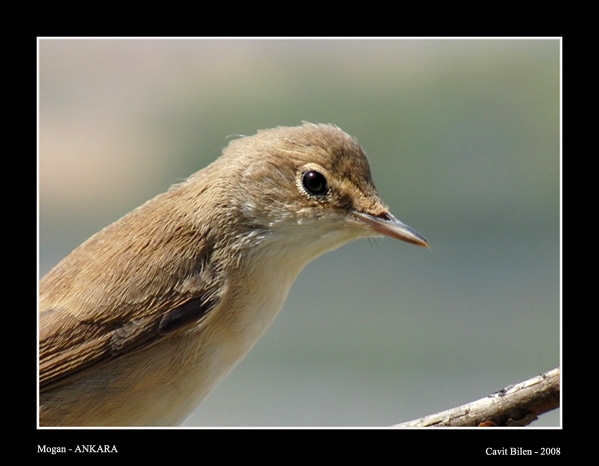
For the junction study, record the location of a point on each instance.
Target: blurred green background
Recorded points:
(464, 142)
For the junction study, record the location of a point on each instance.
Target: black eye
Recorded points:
(315, 183)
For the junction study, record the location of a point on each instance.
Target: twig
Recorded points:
(515, 405)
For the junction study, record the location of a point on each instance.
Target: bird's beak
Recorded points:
(386, 224)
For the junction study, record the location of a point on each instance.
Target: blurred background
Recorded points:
(464, 143)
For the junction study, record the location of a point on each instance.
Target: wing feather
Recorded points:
(130, 285)
(69, 346)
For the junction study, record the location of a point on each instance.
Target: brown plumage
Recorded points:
(140, 322)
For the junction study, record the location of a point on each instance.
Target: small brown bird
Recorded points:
(139, 323)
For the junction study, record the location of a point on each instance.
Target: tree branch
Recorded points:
(515, 405)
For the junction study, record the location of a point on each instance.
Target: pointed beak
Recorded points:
(386, 224)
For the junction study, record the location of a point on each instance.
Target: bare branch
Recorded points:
(515, 405)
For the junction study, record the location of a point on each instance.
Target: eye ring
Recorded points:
(315, 183)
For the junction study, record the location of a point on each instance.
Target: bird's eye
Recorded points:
(315, 183)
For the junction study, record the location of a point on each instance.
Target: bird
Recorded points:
(139, 323)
